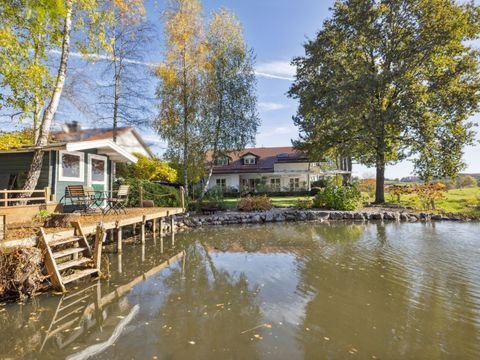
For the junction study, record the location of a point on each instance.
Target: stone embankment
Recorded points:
(285, 215)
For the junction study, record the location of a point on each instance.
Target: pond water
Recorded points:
(280, 291)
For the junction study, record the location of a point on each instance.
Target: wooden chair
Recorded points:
(78, 197)
(117, 203)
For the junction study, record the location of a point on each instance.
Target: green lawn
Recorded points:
(465, 200)
(457, 200)
(284, 202)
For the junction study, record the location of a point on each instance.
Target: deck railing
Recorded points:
(9, 198)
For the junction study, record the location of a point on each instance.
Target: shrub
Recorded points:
(466, 181)
(338, 197)
(306, 203)
(367, 185)
(429, 193)
(254, 203)
(161, 195)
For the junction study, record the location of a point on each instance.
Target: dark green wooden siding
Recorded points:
(19, 163)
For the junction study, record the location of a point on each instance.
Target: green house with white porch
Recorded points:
(74, 157)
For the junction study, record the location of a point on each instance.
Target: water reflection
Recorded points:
(287, 291)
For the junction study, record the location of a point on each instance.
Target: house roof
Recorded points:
(103, 147)
(97, 134)
(266, 158)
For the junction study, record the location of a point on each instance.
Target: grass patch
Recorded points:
(465, 201)
(280, 202)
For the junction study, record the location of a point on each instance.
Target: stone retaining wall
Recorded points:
(282, 215)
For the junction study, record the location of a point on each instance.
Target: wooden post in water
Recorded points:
(172, 229)
(142, 230)
(119, 239)
(161, 243)
(119, 259)
(154, 227)
(100, 236)
(160, 226)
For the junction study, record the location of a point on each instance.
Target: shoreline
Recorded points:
(279, 215)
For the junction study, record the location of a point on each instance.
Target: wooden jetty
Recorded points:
(68, 255)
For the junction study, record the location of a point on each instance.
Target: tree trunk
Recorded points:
(49, 113)
(116, 97)
(380, 179)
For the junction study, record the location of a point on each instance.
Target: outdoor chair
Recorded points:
(76, 195)
(117, 203)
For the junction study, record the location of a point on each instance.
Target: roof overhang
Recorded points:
(103, 147)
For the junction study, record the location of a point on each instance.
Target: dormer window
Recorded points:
(221, 161)
(249, 160)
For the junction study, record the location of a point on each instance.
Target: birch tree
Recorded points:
(180, 80)
(230, 113)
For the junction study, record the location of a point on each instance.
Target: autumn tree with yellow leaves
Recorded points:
(181, 80)
(207, 87)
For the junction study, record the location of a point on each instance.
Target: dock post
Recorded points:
(161, 243)
(172, 229)
(119, 239)
(160, 226)
(154, 227)
(142, 229)
(100, 236)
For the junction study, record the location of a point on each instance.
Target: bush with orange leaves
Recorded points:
(429, 193)
(254, 203)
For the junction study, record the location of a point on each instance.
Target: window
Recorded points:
(98, 169)
(275, 184)
(249, 160)
(222, 184)
(221, 161)
(294, 184)
(71, 166)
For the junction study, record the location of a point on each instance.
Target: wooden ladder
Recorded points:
(64, 253)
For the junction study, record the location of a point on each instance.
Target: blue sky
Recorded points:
(276, 30)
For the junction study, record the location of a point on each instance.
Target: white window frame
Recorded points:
(224, 161)
(81, 177)
(276, 183)
(221, 186)
(293, 181)
(249, 160)
(105, 173)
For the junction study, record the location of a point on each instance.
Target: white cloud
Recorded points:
(282, 70)
(105, 57)
(271, 106)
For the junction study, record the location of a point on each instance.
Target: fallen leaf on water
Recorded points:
(120, 317)
(191, 342)
(326, 338)
(76, 347)
(268, 326)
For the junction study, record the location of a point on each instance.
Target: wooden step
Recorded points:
(78, 275)
(64, 241)
(74, 263)
(71, 251)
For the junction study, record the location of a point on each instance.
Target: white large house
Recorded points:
(272, 168)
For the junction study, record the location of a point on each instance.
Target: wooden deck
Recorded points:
(113, 223)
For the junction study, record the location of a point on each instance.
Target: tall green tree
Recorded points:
(390, 79)
(181, 77)
(230, 108)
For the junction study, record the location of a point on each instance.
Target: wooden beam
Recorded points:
(50, 263)
(100, 236)
(142, 231)
(119, 240)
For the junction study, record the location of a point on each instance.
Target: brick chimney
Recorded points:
(71, 127)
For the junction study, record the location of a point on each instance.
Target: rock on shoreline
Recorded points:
(285, 215)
